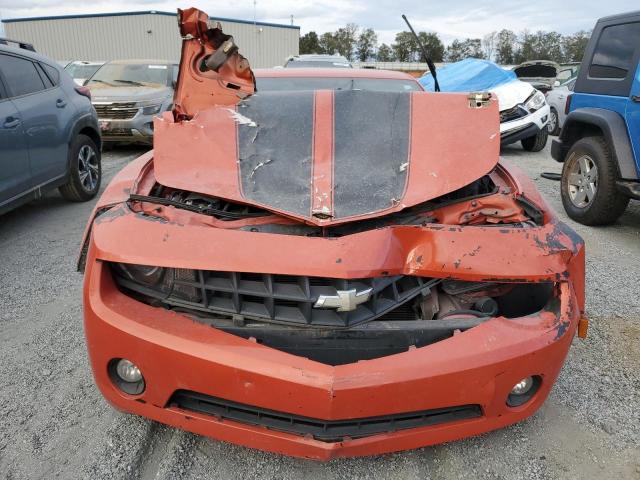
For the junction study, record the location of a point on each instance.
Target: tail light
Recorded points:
(567, 105)
(84, 91)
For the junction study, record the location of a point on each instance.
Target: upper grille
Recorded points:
(322, 430)
(116, 110)
(280, 298)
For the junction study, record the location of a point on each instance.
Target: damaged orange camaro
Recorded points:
(325, 273)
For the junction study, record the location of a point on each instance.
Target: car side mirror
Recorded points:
(556, 83)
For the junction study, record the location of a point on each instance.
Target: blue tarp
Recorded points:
(469, 75)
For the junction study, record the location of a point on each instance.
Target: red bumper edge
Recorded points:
(479, 366)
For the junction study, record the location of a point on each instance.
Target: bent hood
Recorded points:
(329, 157)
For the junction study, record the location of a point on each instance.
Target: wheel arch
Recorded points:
(85, 125)
(586, 122)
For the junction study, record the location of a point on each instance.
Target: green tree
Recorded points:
(468, 48)
(346, 39)
(328, 43)
(385, 53)
(432, 44)
(527, 50)
(573, 46)
(310, 43)
(404, 47)
(506, 47)
(366, 44)
(489, 42)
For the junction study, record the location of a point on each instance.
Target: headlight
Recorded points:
(535, 101)
(151, 109)
(158, 282)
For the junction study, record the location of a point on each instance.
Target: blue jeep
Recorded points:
(49, 134)
(600, 140)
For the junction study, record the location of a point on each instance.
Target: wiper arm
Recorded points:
(214, 212)
(430, 64)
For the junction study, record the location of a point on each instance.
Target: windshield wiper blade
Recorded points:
(101, 81)
(131, 82)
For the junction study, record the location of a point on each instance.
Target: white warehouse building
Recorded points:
(150, 34)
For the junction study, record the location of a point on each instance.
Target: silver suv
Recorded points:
(128, 94)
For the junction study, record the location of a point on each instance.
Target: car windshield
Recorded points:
(136, 74)
(81, 70)
(317, 64)
(335, 83)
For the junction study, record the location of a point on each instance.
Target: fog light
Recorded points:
(128, 371)
(126, 375)
(523, 391)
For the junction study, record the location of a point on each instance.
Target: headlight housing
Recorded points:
(535, 101)
(151, 109)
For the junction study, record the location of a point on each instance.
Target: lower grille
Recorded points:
(323, 430)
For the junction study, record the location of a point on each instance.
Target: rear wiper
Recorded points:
(214, 212)
(131, 82)
(430, 64)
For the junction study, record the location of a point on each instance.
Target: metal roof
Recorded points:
(146, 12)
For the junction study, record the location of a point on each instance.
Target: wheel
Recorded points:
(537, 142)
(588, 185)
(85, 170)
(553, 127)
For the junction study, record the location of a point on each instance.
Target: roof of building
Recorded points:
(146, 12)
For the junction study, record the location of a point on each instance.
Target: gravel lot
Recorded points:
(55, 424)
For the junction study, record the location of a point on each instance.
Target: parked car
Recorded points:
(49, 135)
(600, 140)
(558, 99)
(294, 270)
(128, 94)
(81, 70)
(317, 61)
(542, 74)
(524, 112)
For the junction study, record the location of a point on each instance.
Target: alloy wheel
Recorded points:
(582, 181)
(88, 168)
(553, 121)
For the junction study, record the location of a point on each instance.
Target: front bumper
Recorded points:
(477, 367)
(529, 126)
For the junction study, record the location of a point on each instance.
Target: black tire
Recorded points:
(84, 175)
(537, 142)
(555, 121)
(605, 204)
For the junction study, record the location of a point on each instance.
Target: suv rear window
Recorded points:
(21, 75)
(613, 56)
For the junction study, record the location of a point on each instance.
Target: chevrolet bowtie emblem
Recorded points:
(345, 300)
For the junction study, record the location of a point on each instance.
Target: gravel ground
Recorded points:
(55, 424)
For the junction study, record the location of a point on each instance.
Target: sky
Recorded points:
(450, 19)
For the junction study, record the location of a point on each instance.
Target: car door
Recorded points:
(45, 112)
(15, 176)
(632, 115)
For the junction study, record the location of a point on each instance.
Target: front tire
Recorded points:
(85, 170)
(588, 185)
(553, 127)
(537, 142)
